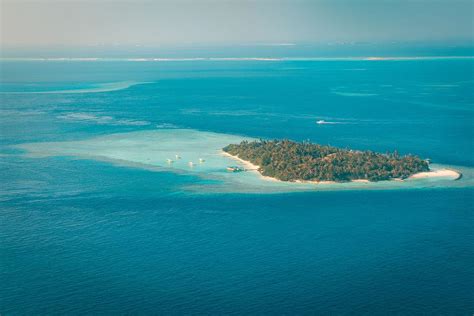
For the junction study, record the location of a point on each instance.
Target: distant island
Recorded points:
(287, 160)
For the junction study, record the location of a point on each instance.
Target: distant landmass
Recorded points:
(287, 160)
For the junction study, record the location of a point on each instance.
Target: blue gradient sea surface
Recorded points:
(82, 236)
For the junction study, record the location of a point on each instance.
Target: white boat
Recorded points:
(169, 161)
(191, 164)
(201, 160)
(177, 157)
(321, 122)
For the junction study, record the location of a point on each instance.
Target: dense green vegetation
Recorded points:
(290, 161)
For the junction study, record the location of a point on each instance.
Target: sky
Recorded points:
(188, 22)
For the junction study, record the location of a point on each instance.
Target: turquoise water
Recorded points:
(81, 233)
(197, 153)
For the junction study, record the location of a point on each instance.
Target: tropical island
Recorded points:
(287, 160)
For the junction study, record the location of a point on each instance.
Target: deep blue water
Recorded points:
(82, 236)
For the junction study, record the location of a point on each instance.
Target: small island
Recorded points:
(254, 166)
(287, 160)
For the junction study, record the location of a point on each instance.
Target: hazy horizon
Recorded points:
(281, 23)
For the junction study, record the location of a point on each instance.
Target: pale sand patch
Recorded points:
(314, 182)
(361, 180)
(445, 173)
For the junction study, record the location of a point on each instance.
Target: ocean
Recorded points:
(83, 233)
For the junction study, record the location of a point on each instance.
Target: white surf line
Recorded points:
(103, 87)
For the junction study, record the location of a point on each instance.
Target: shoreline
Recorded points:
(248, 166)
(437, 173)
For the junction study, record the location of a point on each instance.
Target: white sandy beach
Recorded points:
(249, 166)
(439, 173)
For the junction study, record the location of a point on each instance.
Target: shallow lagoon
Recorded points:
(198, 153)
